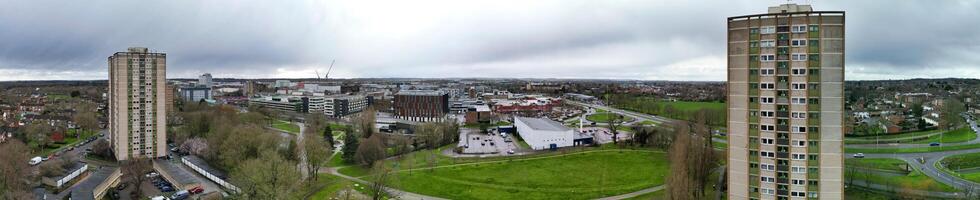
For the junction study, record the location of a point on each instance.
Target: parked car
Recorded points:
(152, 174)
(180, 195)
(510, 151)
(196, 190)
(859, 155)
(159, 198)
(35, 161)
(167, 189)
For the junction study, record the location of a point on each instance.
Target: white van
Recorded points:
(35, 161)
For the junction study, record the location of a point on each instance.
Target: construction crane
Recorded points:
(327, 76)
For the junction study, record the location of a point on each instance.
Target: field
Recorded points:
(285, 126)
(605, 117)
(913, 180)
(889, 164)
(966, 166)
(959, 135)
(683, 110)
(582, 175)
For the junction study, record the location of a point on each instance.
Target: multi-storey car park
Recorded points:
(785, 105)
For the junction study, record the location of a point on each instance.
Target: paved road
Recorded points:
(636, 115)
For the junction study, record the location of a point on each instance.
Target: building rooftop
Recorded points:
(421, 92)
(542, 124)
(180, 176)
(197, 161)
(790, 8)
(84, 190)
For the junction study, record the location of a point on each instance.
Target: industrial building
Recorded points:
(137, 103)
(542, 133)
(343, 105)
(785, 105)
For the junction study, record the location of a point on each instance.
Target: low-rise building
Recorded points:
(541, 133)
(97, 184)
(278, 103)
(72, 172)
(478, 114)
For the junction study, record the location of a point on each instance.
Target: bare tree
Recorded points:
(614, 122)
(370, 150)
(381, 176)
(317, 153)
(85, 118)
(365, 122)
(133, 171)
(15, 173)
(691, 162)
(102, 149)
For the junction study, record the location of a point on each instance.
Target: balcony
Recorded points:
(782, 155)
(813, 48)
(754, 132)
(813, 162)
(782, 141)
(754, 146)
(813, 108)
(782, 128)
(813, 149)
(753, 105)
(813, 77)
(753, 36)
(753, 78)
(813, 92)
(754, 91)
(813, 34)
(754, 119)
(754, 50)
(813, 121)
(813, 135)
(782, 100)
(782, 114)
(754, 64)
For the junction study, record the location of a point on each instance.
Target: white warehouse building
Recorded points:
(541, 133)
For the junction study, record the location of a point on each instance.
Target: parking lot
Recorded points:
(603, 135)
(474, 142)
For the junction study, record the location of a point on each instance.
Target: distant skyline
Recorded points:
(645, 40)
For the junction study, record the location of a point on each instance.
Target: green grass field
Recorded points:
(893, 136)
(889, 164)
(959, 135)
(682, 110)
(962, 161)
(605, 117)
(286, 126)
(969, 162)
(912, 150)
(913, 180)
(583, 175)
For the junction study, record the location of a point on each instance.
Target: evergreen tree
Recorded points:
(350, 146)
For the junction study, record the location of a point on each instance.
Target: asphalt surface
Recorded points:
(635, 115)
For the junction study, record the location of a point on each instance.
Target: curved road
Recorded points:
(927, 166)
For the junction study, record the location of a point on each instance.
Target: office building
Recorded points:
(195, 94)
(205, 80)
(137, 103)
(785, 111)
(420, 105)
(343, 105)
(279, 103)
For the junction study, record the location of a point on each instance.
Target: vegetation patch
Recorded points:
(888, 164)
(584, 175)
(606, 117)
(959, 135)
(286, 126)
(912, 150)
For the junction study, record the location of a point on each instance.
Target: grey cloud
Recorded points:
(575, 39)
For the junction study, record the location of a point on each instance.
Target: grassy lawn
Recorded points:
(894, 136)
(574, 176)
(681, 109)
(975, 176)
(286, 126)
(889, 164)
(648, 123)
(913, 180)
(719, 145)
(605, 117)
(855, 193)
(911, 150)
(959, 135)
(962, 161)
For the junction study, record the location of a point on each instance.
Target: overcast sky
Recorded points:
(647, 40)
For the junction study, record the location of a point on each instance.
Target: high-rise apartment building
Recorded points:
(137, 103)
(205, 80)
(785, 105)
